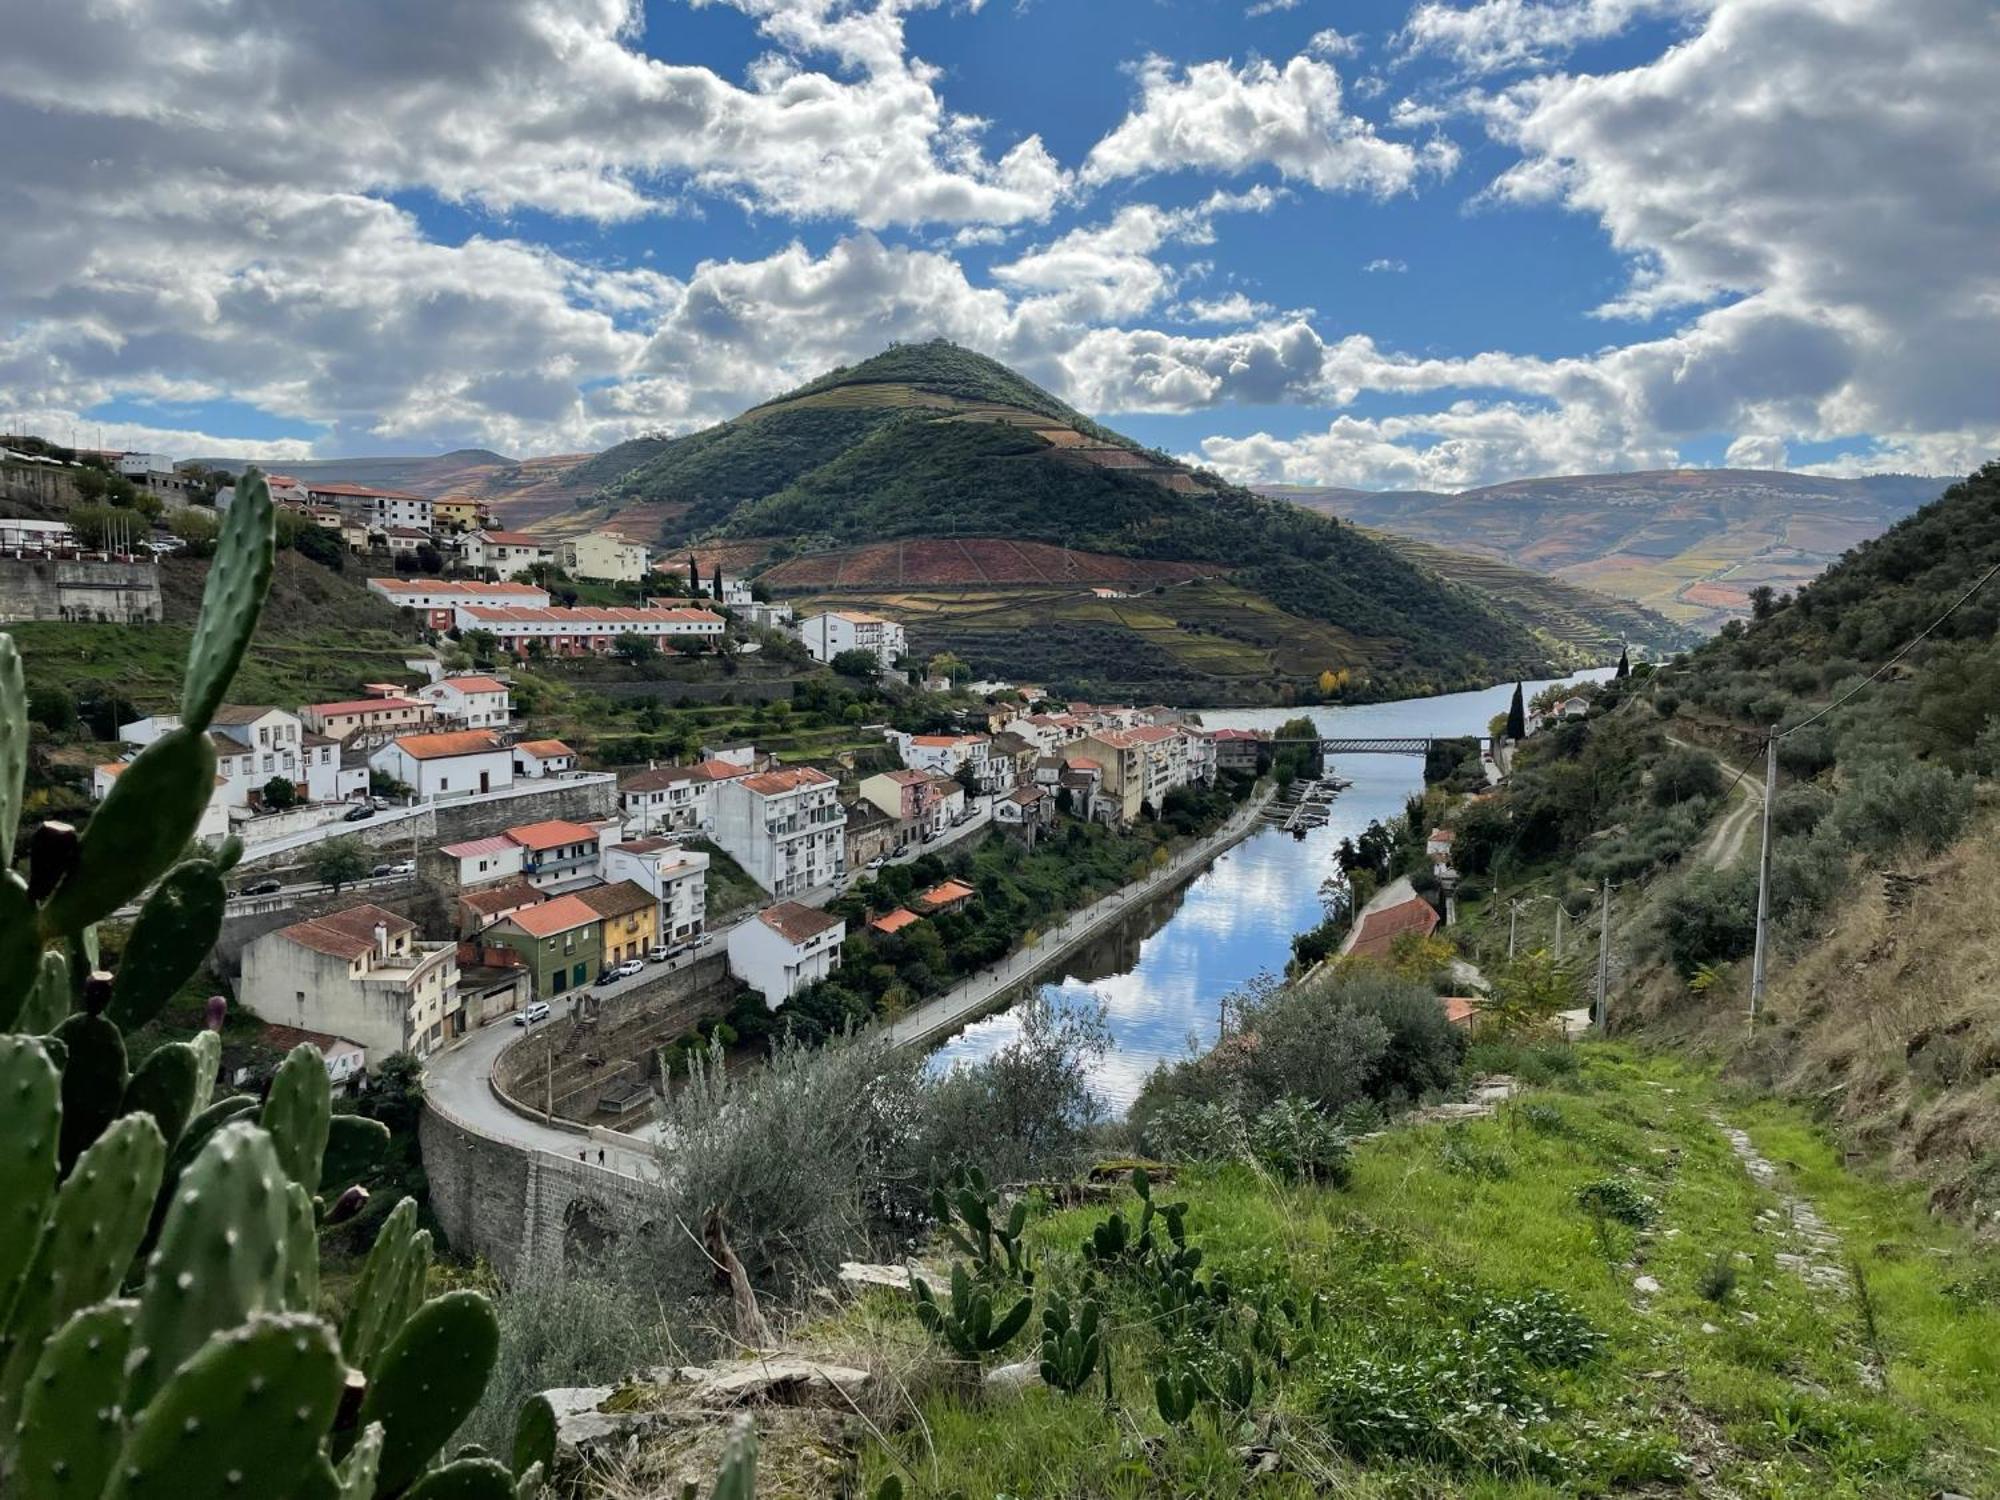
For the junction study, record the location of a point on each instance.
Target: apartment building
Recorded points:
(469, 702)
(603, 555)
(784, 948)
(504, 553)
(667, 799)
(374, 508)
(905, 796)
(677, 878)
(784, 827)
(556, 853)
(827, 635)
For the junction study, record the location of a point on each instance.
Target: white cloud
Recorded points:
(1493, 36)
(1234, 307)
(1383, 263)
(1756, 450)
(1270, 8)
(1217, 117)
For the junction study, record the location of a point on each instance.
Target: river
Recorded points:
(1162, 972)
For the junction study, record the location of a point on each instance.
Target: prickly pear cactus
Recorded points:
(13, 744)
(465, 1479)
(48, 1000)
(737, 1478)
(30, 1109)
(93, 1083)
(221, 1254)
(173, 936)
(237, 582)
(20, 944)
(534, 1435)
(296, 1114)
(381, 1292)
(71, 1422)
(354, 1143)
(428, 1381)
(243, 1415)
(164, 1087)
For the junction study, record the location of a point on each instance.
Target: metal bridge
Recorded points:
(1409, 745)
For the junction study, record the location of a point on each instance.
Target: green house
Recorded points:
(561, 942)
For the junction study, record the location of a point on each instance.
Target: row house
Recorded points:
(1048, 733)
(783, 827)
(947, 754)
(1012, 759)
(481, 909)
(437, 601)
(604, 556)
(535, 759)
(785, 948)
(1026, 811)
(676, 878)
(827, 635)
(585, 629)
(459, 763)
(908, 797)
(1140, 766)
(668, 799)
(469, 702)
(504, 553)
(359, 973)
(472, 863)
(375, 508)
(628, 919)
(557, 852)
(871, 834)
(368, 718)
(559, 941)
(1239, 750)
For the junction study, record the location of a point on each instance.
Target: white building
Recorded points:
(942, 754)
(1048, 733)
(255, 743)
(213, 827)
(827, 635)
(534, 759)
(358, 973)
(375, 508)
(667, 799)
(585, 629)
(785, 828)
(784, 948)
(372, 718)
(603, 555)
(677, 878)
(471, 702)
(504, 552)
(437, 600)
(472, 863)
(461, 763)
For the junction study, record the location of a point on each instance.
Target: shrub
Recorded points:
(1799, 809)
(1913, 804)
(1683, 775)
(1300, 1144)
(1617, 1198)
(1710, 918)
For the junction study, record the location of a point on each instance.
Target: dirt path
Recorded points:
(1727, 840)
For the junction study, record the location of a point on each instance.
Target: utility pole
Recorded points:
(1559, 929)
(1513, 921)
(1763, 948)
(1604, 959)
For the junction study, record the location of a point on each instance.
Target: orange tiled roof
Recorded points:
(545, 749)
(456, 742)
(775, 783)
(891, 923)
(552, 834)
(945, 892)
(1379, 929)
(796, 923)
(551, 917)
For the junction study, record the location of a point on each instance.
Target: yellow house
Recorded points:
(460, 511)
(631, 918)
(604, 555)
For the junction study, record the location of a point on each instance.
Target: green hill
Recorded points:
(933, 440)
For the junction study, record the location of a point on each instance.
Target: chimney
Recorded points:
(381, 940)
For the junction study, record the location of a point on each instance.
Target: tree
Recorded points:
(1624, 663)
(321, 545)
(966, 778)
(948, 666)
(1762, 601)
(694, 576)
(1517, 717)
(278, 794)
(429, 559)
(339, 862)
(718, 579)
(857, 664)
(631, 646)
(53, 708)
(1531, 990)
(482, 645)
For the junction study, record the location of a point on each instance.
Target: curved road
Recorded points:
(1725, 842)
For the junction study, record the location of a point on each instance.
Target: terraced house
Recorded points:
(360, 973)
(559, 942)
(629, 918)
(556, 853)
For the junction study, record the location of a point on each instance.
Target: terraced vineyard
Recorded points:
(972, 562)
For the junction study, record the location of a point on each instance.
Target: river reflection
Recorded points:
(1162, 971)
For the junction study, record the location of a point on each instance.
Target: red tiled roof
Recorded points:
(1459, 1009)
(363, 705)
(320, 487)
(616, 900)
(584, 614)
(776, 783)
(287, 1037)
(551, 834)
(545, 749)
(796, 923)
(442, 746)
(459, 588)
(502, 898)
(517, 539)
(558, 914)
(945, 892)
(895, 921)
(1379, 929)
(346, 934)
(475, 684)
(499, 843)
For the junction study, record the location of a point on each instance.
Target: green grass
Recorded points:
(1436, 1247)
(729, 888)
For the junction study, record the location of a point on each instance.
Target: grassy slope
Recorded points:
(1444, 1228)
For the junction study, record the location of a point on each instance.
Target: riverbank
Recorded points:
(941, 1015)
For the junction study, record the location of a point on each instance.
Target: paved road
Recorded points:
(457, 1079)
(976, 994)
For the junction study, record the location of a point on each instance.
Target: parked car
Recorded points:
(402, 867)
(536, 1011)
(359, 813)
(875, 863)
(625, 970)
(659, 953)
(269, 887)
(381, 870)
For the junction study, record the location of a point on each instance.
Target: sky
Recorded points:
(1370, 243)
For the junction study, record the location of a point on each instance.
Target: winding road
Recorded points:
(1726, 841)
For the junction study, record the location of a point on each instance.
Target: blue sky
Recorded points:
(1379, 243)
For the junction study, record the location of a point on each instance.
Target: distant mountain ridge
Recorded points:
(1689, 543)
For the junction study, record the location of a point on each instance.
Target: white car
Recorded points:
(659, 953)
(537, 1011)
(627, 969)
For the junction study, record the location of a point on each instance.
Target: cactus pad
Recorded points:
(164, 1087)
(534, 1435)
(20, 945)
(140, 828)
(296, 1113)
(49, 1001)
(428, 1381)
(301, 1292)
(93, 1081)
(70, 1419)
(354, 1143)
(221, 1255)
(170, 941)
(208, 1063)
(376, 1312)
(30, 1107)
(465, 1479)
(244, 1416)
(237, 582)
(86, 1245)
(13, 741)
